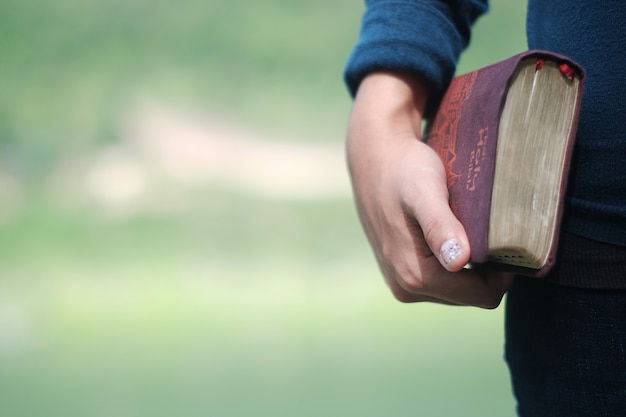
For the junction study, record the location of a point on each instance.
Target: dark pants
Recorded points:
(565, 348)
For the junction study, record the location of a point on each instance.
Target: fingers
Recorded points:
(471, 288)
(415, 274)
(420, 245)
(468, 288)
(422, 248)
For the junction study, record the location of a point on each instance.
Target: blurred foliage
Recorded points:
(70, 67)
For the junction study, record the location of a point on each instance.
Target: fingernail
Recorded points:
(450, 250)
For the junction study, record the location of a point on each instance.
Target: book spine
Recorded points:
(464, 133)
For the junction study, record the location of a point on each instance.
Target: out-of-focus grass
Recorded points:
(283, 322)
(211, 301)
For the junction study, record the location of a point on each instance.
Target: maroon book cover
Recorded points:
(464, 133)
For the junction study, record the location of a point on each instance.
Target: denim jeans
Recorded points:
(565, 348)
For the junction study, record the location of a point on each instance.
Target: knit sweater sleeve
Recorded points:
(423, 37)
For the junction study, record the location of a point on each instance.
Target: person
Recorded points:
(565, 333)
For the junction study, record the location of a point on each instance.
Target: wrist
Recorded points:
(394, 102)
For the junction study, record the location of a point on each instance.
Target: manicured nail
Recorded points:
(450, 250)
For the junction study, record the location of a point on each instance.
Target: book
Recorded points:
(505, 134)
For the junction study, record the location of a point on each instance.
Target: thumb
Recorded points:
(444, 234)
(453, 254)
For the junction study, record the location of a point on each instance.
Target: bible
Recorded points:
(505, 134)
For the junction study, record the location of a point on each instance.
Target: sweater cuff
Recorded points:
(414, 38)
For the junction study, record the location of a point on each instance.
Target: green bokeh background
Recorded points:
(208, 298)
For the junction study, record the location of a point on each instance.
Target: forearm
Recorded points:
(391, 104)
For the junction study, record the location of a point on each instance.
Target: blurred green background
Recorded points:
(177, 235)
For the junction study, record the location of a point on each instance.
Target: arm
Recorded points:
(400, 191)
(406, 56)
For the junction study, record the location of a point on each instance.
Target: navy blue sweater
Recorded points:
(427, 37)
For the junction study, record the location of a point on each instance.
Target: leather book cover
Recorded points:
(464, 133)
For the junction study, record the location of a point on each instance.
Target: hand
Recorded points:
(401, 195)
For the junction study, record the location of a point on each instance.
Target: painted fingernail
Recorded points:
(450, 250)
